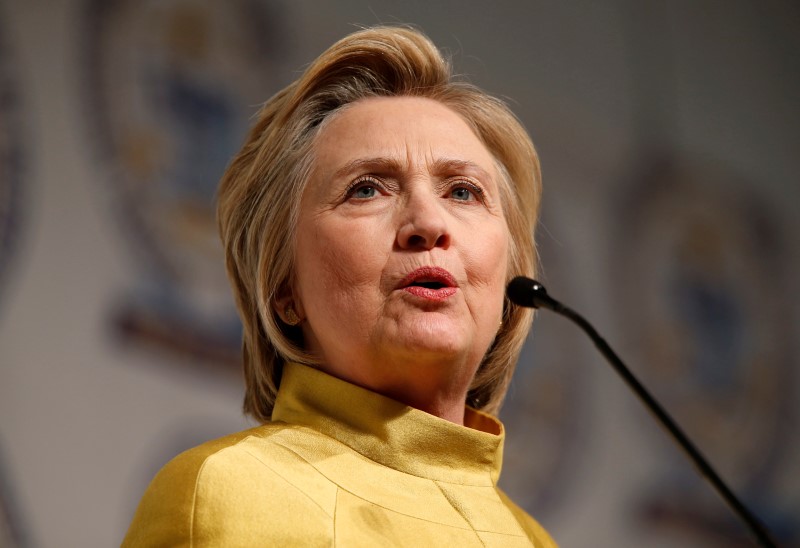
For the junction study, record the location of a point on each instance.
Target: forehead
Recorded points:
(410, 130)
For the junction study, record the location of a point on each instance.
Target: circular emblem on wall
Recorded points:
(11, 206)
(172, 86)
(704, 273)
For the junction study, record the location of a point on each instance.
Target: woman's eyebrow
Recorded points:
(444, 166)
(448, 166)
(378, 164)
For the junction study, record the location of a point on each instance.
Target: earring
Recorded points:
(291, 316)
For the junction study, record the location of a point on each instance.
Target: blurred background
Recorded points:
(669, 139)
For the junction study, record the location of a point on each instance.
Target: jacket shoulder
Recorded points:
(215, 492)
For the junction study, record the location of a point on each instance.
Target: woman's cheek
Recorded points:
(488, 257)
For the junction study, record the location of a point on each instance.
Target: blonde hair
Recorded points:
(260, 192)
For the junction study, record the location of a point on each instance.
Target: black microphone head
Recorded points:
(520, 291)
(529, 293)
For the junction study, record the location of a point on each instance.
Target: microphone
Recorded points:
(531, 294)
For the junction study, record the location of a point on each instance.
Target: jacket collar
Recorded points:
(391, 433)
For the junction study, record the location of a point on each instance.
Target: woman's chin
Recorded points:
(435, 339)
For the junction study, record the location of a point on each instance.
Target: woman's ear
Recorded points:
(288, 308)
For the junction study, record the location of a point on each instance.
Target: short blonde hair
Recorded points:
(259, 195)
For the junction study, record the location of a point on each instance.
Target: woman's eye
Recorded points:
(466, 193)
(462, 194)
(364, 192)
(364, 189)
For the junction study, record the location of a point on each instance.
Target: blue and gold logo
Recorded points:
(704, 271)
(171, 89)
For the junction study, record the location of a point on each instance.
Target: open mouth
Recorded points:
(430, 283)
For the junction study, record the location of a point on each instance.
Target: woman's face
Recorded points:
(402, 250)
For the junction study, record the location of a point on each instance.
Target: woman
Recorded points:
(370, 223)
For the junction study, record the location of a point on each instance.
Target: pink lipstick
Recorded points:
(430, 282)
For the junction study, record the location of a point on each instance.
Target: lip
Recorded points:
(429, 275)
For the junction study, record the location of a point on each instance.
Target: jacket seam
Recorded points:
(198, 478)
(281, 476)
(372, 502)
(194, 499)
(459, 512)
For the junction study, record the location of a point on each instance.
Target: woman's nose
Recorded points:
(423, 224)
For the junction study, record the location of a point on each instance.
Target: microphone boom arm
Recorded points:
(529, 293)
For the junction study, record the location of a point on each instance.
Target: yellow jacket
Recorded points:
(338, 466)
